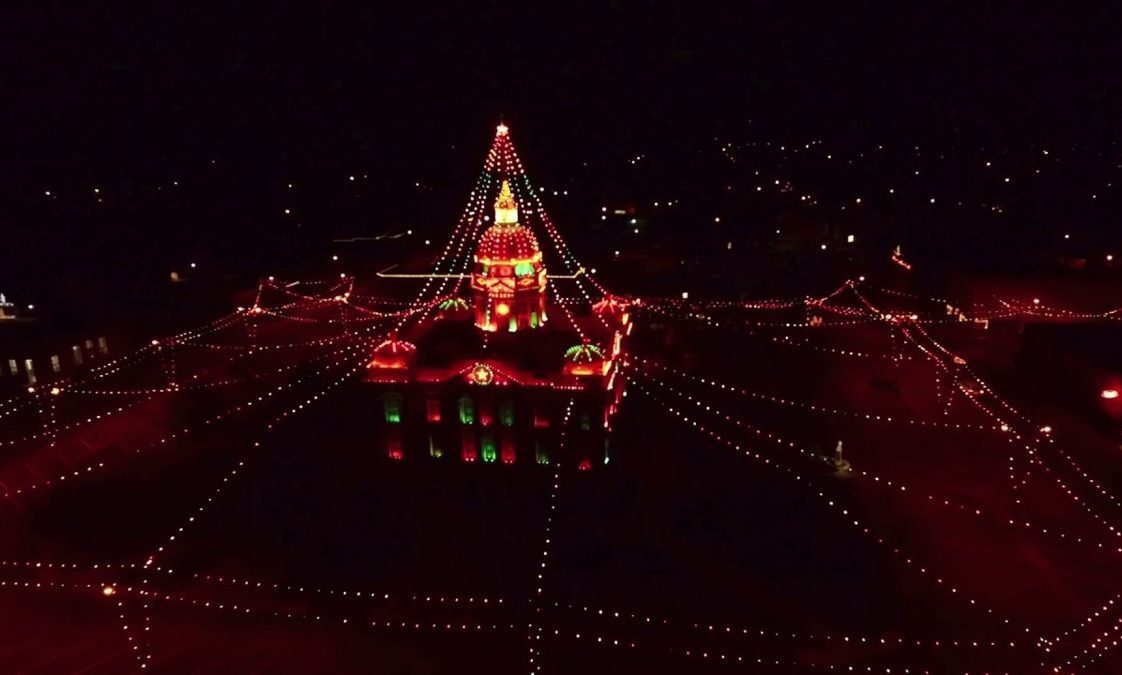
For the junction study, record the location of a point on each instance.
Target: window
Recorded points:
(506, 414)
(30, 368)
(102, 346)
(506, 446)
(76, 354)
(523, 269)
(541, 455)
(541, 419)
(533, 319)
(585, 422)
(391, 406)
(89, 344)
(13, 366)
(56, 365)
(467, 410)
(486, 412)
(432, 409)
(467, 445)
(488, 443)
(393, 445)
(434, 449)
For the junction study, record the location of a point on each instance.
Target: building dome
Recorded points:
(392, 353)
(508, 282)
(507, 243)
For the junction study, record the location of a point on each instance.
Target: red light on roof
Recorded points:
(1109, 394)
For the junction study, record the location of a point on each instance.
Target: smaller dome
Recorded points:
(505, 243)
(453, 305)
(392, 353)
(395, 346)
(584, 353)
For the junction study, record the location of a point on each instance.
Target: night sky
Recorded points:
(236, 104)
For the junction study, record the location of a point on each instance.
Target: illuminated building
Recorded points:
(507, 367)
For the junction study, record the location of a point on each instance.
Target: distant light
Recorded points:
(427, 242)
(155, 342)
(287, 211)
(1005, 427)
(55, 391)
(823, 247)
(850, 239)
(1007, 179)
(592, 271)
(335, 257)
(352, 177)
(108, 591)
(633, 221)
(861, 278)
(685, 295)
(96, 191)
(47, 192)
(932, 200)
(717, 219)
(1036, 301)
(502, 129)
(858, 200)
(1067, 236)
(1109, 394)
(193, 265)
(1046, 429)
(409, 232)
(30, 307)
(1109, 257)
(603, 209)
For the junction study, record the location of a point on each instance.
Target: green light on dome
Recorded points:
(585, 353)
(523, 269)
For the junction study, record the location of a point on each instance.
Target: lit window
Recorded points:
(486, 412)
(393, 445)
(506, 447)
(585, 422)
(541, 455)
(506, 414)
(467, 410)
(56, 364)
(467, 445)
(432, 409)
(76, 353)
(541, 419)
(488, 444)
(523, 269)
(435, 450)
(30, 368)
(89, 344)
(391, 406)
(102, 346)
(13, 366)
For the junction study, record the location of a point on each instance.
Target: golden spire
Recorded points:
(506, 209)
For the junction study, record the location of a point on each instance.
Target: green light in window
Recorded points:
(391, 406)
(513, 324)
(434, 449)
(533, 319)
(467, 410)
(540, 455)
(488, 443)
(506, 414)
(523, 269)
